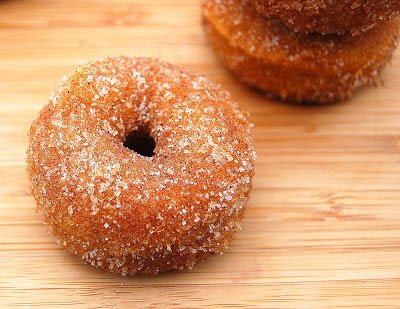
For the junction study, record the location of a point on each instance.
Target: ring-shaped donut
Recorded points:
(125, 212)
(299, 67)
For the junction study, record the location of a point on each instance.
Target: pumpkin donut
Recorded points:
(329, 16)
(126, 212)
(262, 52)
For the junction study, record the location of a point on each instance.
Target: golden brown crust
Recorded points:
(329, 16)
(124, 212)
(294, 66)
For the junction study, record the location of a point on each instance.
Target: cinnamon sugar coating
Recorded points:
(300, 67)
(127, 213)
(329, 16)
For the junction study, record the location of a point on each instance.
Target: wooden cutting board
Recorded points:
(322, 229)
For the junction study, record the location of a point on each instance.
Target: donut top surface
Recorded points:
(329, 16)
(106, 201)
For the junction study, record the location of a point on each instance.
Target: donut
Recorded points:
(298, 67)
(329, 16)
(175, 198)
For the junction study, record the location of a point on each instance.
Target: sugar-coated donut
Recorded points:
(316, 68)
(125, 212)
(329, 16)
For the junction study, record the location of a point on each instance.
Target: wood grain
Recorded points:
(322, 228)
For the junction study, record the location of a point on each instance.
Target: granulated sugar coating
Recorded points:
(329, 16)
(128, 213)
(317, 68)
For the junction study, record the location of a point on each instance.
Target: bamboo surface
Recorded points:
(322, 227)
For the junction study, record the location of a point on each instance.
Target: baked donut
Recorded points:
(130, 213)
(329, 16)
(294, 66)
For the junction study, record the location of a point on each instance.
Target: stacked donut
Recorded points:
(306, 51)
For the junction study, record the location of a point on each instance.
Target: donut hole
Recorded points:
(141, 142)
